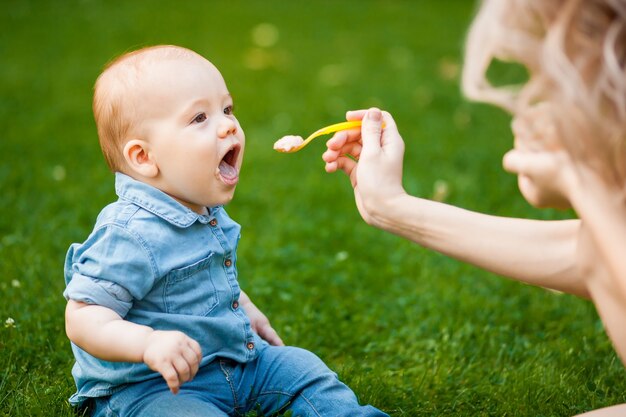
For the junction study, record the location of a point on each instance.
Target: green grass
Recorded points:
(412, 332)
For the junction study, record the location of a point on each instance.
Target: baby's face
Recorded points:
(187, 119)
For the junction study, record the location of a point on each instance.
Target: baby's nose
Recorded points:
(228, 127)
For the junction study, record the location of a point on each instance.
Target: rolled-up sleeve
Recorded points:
(97, 291)
(111, 269)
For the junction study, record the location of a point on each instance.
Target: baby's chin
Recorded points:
(222, 196)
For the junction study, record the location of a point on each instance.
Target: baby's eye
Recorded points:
(199, 118)
(228, 110)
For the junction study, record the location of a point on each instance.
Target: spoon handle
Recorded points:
(335, 128)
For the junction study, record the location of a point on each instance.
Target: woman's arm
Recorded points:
(537, 252)
(532, 251)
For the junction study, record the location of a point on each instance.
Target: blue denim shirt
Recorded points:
(156, 262)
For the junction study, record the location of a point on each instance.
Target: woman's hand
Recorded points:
(372, 158)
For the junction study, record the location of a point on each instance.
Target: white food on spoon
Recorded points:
(287, 143)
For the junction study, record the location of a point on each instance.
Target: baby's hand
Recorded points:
(174, 355)
(259, 322)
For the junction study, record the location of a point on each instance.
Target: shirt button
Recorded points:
(235, 304)
(228, 262)
(213, 222)
(250, 345)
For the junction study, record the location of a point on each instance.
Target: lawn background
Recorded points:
(411, 331)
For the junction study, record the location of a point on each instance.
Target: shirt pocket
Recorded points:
(190, 290)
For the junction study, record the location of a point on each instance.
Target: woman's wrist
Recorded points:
(389, 212)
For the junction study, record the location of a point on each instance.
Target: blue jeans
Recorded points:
(280, 379)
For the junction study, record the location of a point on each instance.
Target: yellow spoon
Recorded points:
(291, 144)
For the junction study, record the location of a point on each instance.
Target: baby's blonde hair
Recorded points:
(115, 97)
(575, 53)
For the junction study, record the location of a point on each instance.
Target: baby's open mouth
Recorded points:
(227, 168)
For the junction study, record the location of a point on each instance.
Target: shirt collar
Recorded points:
(156, 201)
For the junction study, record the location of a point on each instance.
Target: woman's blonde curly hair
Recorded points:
(575, 53)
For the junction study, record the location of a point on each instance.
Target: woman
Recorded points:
(569, 123)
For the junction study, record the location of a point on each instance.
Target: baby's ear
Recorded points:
(139, 160)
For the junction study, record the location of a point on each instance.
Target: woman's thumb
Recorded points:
(371, 129)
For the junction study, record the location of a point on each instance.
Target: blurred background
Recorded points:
(412, 332)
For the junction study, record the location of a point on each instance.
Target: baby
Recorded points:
(158, 323)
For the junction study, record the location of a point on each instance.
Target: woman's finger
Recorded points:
(345, 136)
(346, 164)
(337, 141)
(355, 114)
(371, 132)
